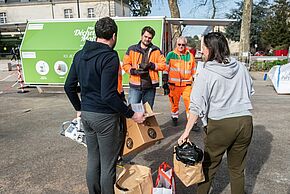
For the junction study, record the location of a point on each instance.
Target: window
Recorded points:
(91, 13)
(68, 13)
(3, 18)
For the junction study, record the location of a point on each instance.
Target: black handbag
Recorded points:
(188, 153)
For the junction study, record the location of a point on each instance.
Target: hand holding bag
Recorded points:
(187, 164)
(165, 183)
(133, 179)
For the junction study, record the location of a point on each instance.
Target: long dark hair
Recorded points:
(218, 47)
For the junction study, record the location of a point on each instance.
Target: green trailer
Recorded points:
(48, 47)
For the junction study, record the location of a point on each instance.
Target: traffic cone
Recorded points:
(20, 80)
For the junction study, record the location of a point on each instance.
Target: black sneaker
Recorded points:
(175, 121)
(195, 127)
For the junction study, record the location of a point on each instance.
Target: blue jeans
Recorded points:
(148, 95)
(104, 142)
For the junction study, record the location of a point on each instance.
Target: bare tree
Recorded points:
(175, 13)
(211, 4)
(244, 46)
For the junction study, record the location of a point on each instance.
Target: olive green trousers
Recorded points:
(230, 135)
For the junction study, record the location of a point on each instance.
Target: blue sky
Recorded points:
(188, 10)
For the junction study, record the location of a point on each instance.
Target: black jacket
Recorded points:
(96, 67)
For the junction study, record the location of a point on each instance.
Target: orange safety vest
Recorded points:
(133, 58)
(180, 67)
(120, 79)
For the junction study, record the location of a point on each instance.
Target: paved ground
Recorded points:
(36, 159)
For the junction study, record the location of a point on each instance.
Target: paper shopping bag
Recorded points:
(188, 174)
(165, 183)
(133, 179)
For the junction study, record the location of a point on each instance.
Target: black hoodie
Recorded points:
(96, 67)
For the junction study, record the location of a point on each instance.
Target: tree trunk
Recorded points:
(244, 47)
(174, 11)
(214, 9)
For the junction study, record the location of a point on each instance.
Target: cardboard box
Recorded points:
(140, 136)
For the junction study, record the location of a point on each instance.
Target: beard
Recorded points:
(146, 43)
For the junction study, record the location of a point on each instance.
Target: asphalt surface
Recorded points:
(35, 158)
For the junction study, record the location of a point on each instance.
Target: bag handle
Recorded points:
(119, 177)
(123, 172)
(161, 171)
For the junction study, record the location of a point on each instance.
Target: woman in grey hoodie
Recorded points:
(221, 96)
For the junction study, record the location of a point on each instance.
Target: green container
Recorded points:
(48, 47)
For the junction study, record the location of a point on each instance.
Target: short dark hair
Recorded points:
(218, 47)
(105, 28)
(148, 29)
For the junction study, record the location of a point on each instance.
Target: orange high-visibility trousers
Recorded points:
(174, 96)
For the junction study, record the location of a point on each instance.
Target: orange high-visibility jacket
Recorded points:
(181, 67)
(120, 79)
(133, 58)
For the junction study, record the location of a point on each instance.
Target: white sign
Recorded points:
(35, 27)
(28, 55)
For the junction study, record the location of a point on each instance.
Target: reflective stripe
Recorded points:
(178, 80)
(180, 70)
(174, 79)
(174, 114)
(174, 69)
(135, 83)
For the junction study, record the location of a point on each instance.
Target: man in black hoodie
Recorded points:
(95, 68)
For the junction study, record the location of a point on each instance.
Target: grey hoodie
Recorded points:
(221, 91)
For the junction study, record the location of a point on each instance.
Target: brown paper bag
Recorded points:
(188, 175)
(133, 179)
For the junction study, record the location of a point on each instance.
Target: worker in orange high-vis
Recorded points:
(123, 128)
(142, 62)
(120, 84)
(178, 79)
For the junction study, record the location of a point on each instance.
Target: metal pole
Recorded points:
(78, 5)
(122, 6)
(52, 10)
(109, 8)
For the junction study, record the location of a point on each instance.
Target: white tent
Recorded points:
(280, 76)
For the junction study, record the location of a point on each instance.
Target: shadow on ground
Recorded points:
(165, 153)
(258, 154)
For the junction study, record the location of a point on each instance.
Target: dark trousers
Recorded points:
(231, 135)
(104, 139)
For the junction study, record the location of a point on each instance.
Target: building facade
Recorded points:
(14, 15)
(17, 11)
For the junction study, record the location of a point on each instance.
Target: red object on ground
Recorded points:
(20, 80)
(281, 52)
